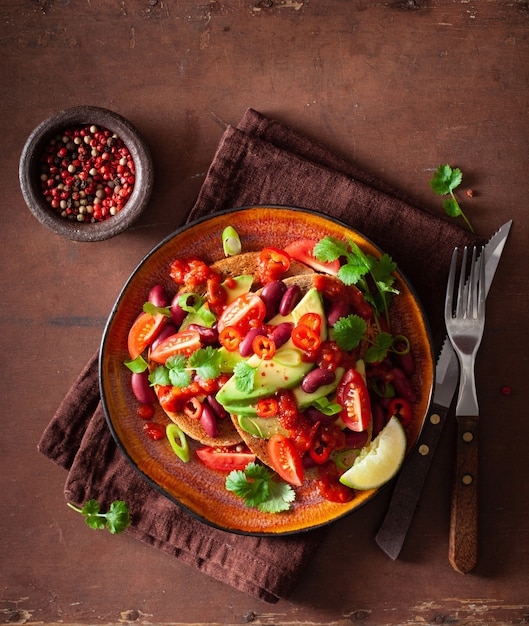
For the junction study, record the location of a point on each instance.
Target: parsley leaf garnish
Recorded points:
(257, 487)
(116, 519)
(443, 183)
(244, 377)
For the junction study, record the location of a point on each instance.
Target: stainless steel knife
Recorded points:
(408, 486)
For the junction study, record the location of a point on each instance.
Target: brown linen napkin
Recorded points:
(260, 162)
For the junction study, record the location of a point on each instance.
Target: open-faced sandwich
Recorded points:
(285, 357)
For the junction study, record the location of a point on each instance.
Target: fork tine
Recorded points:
(450, 286)
(463, 293)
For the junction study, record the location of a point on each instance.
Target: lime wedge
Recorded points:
(380, 460)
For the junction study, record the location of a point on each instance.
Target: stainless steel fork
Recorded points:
(465, 321)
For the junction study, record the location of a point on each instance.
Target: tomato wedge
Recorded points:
(225, 459)
(353, 395)
(143, 332)
(183, 342)
(285, 459)
(303, 251)
(245, 312)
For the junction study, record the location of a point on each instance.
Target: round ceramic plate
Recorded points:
(192, 485)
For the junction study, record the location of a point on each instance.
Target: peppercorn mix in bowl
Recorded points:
(86, 173)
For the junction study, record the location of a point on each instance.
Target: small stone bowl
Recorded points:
(29, 174)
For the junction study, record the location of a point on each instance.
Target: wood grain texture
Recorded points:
(400, 87)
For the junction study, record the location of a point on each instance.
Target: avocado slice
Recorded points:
(304, 399)
(238, 285)
(260, 426)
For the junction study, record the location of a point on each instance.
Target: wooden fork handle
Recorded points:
(463, 542)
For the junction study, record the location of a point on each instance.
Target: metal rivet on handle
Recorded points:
(467, 479)
(468, 436)
(424, 449)
(434, 418)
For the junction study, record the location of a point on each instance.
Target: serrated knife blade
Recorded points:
(410, 481)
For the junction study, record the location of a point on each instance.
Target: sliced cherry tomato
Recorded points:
(285, 459)
(305, 338)
(154, 431)
(225, 459)
(352, 394)
(303, 250)
(245, 312)
(264, 347)
(272, 264)
(312, 320)
(183, 342)
(192, 407)
(402, 409)
(230, 338)
(267, 407)
(143, 332)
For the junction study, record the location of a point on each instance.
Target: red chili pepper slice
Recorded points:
(312, 320)
(305, 338)
(192, 407)
(264, 347)
(230, 338)
(319, 450)
(267, 407)
(402, 409)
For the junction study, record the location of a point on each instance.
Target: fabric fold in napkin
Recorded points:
(261, 161)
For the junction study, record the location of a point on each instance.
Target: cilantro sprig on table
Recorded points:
(178, 369)
(443, 183)
(257, 487)
(115, 520)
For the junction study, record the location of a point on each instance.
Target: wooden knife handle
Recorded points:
(463, 542)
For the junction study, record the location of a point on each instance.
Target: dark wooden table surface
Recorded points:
(399, 87)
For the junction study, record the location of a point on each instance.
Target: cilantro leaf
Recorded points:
(179, 377)
(206, 361)
(256, 486)
(379, 350)
(116, 519)
(443, 183)
(445, 180)
(349, 331)
(244, 377)
(159, 376)
(329, 249)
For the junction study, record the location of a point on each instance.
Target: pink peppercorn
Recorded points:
(80, 170)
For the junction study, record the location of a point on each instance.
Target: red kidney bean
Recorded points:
(337, 309)
(157, 296)
(281, 333)
(141, 388)
(208, 336)
(403, 386)
(378, 412)
(355, 440)
(289, 300)
(177, 312)
(316, 415)
(316, 378)
(245, 347)
(166, 330)
(271, 295)
(217, 407)
(209, 421)
(406, 362)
